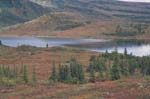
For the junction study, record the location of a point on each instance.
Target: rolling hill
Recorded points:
(83, 18)
(16, 11)
(102, 9)
(46, 24)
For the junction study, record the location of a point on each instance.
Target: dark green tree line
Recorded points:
(70, 72)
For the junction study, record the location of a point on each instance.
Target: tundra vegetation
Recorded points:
(106, 66)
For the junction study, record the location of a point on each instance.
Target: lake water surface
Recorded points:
(99, 45)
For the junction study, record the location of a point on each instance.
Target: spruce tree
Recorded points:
(124, 67)
(125, 52)
(145, 65)
(0, 42)
(0, 70)
(54, 75)
(115, 75)
(34, 78)
(15, 72)
(132, 66)
(101, 67)
(92, 73)
(69, 77)
(4, 71)
(115, 71)
(106, 54)
(81, 73)
(73, 67)
(8, 72)
(61, 73)
(24, 74)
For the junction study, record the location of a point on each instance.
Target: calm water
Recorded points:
(42, 42)
(134, 49)
(99, 45)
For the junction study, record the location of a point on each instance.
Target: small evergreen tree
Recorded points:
(101, 67)
(34, 78)
(73, 67)
(115, 75)
(54, 75)
(24, 74)
(106, 55)
(124, 68)
(132, 66)
(92, 73)
(115, 71)
(15, 72)
(81, 73)
(125, 52)
(0, 42)
(69, 77)
(61, 73)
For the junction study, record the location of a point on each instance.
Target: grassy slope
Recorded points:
(103, 9)
(44, 25)
(129, 88)
(73, 25)
(93, 18)
(17, 11)
(122, 89)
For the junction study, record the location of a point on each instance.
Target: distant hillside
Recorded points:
(80, 18)
(16, 11)
(48, 23)
(103, 9)
(75, 25)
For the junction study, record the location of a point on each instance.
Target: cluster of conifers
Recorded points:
(107, 66)
(11, 75)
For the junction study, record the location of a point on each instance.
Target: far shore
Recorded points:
(134, 38)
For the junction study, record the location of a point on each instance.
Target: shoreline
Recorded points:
(66, 37)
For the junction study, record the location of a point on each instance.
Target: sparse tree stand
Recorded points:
(77, 71)
(71, 72)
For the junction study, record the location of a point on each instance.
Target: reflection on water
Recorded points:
(99, 45)
(42, 42)
(137, 50)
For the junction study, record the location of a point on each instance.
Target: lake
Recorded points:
(98, 45)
